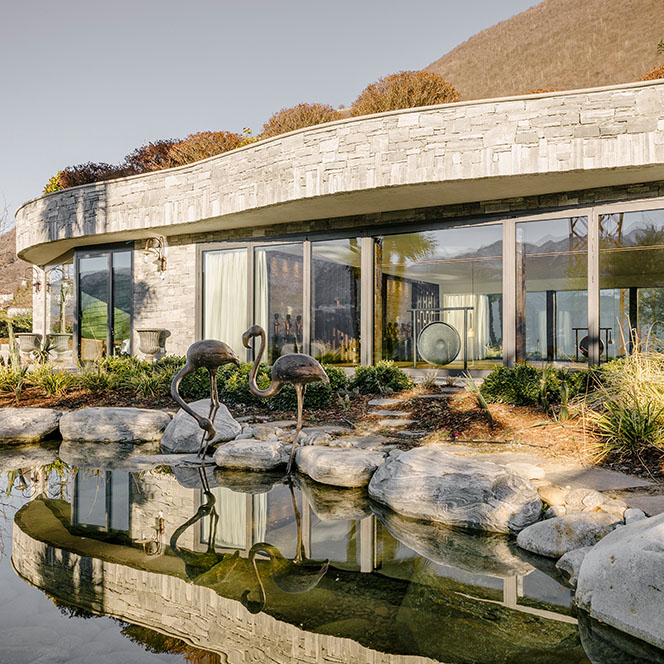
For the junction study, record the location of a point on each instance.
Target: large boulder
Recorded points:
(183, 435)
(555, 537)
(333, 503)
(251, 454)
(429, 483)
(570, 564)
(27, 425)
(114, 425)
(345, 467)
(621, 581)
(111, 455)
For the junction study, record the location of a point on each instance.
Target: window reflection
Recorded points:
(552, 290)
(335, 316)
(631, 279)
(101, 500)
(61, 311)
(451, 275)
(278, 298)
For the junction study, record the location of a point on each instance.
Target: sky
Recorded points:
(90, 80)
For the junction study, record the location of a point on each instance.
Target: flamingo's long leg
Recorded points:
(200, 447)
(299, 390)
(214, 406)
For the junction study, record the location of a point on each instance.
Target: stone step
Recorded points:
(395, 422)
(390, 413)
(385, 402)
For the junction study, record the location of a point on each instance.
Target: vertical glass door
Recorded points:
(104, 304)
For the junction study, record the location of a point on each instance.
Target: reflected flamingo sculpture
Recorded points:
(209, 354)
(294, 368)
(296, 576)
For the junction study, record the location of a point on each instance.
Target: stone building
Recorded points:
(466, 234)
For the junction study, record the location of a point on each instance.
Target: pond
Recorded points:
(189, 565)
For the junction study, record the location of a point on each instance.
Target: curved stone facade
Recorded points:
(433, 156)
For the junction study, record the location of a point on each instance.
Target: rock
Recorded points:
(183, 435)
(552, 494)
(614, 507)
(621, 581)
(22, 457)
(570, 564)
(344, 467)
(384, 402)
(632, 515)
(110, 455)
(315, 438)
(429, 483)
(555, 537)
(244, 436)
(490, 554)
(266, 432)
(190, 476)
(554, 511)
(528, 470)
(27, 425)
(247, 481)
(114, 425)
(584, 500)
(252, 454)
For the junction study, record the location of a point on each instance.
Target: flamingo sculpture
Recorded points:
(209, 354)
(294, 368)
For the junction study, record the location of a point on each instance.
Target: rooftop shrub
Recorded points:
(297, 117)
(406, 89)
(654, 74)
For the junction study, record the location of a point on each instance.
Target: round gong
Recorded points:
(438, 343)
(584, 346)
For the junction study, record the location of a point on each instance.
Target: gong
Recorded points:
(438, 343)
(584, 345)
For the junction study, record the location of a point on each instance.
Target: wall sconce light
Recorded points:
(154, 253)
(33, 279)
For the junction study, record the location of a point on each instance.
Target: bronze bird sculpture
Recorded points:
(209, 354)
(295, 368)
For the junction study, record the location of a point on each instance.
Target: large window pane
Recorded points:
(94, 296)
(225, 297)
(278, 298)
(122, 296)
(335, 316)
(90, 499)
(552, 290)
(451, 275)
(631, 280)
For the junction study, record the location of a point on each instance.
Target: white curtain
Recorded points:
(478, 322)
(225, 302)
(261, 291)
(260, 517)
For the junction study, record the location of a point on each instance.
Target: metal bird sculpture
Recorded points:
(209, 354)
(295, 368)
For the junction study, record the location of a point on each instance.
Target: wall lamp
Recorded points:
(154, 253)
(32, 278)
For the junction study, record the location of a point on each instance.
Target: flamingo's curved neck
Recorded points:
(185, 371)
(275, 386)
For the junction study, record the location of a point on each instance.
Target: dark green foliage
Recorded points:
(20, 323)
(316, 396)
(525, 385)
(384, 378)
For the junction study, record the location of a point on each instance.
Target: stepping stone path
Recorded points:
(385, 402)
(389, 413)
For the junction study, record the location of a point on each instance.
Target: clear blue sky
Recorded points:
(89, 80)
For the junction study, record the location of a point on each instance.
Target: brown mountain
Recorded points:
(13, 270)
(560, 44)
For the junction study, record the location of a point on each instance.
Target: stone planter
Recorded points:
(151, 341)
(28, 341)
(60, 342)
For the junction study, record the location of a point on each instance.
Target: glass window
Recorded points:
(122, 296)
(335, 301)
(552, 290)
(449, 279)
(61, 311)
(94, 295)
(225, 297)
(278, 298)
(102, 500)
(631, 266)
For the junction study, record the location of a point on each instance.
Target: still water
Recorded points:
(185, 565)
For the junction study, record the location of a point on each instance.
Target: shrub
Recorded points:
(202, 145)
(316, 396)
(72, 176)
(654, 74)
(97, 380)
(628, 428)
(302, 115)
(383, 378)
(517, 386)
(406, 89)
(10, 378)
(52, 381)
(152, 156)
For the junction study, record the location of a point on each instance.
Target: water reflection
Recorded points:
(229, 562)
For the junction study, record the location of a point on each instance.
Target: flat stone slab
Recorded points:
(344, 467)
(600, 479)
(252, 454)
(183, 435)
(389, 413)
(27, 425)
(621, 580)
(429, 483)
(361, 442)
(114, 425)
(395, 423)
(385, 402)
(651, 505)
(555, 537)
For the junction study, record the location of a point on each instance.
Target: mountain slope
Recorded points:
(562, 44)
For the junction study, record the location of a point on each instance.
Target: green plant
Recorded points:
(429, 380)
(382, 378)
(97, 380)
(150, 384)
(517, 386)
(42, 354)
(406, 89)
(472, 387)
(52, 381)
(302, 115)
(628, 427)
(10, 378)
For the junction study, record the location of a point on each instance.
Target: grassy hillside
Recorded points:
(562, 44)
